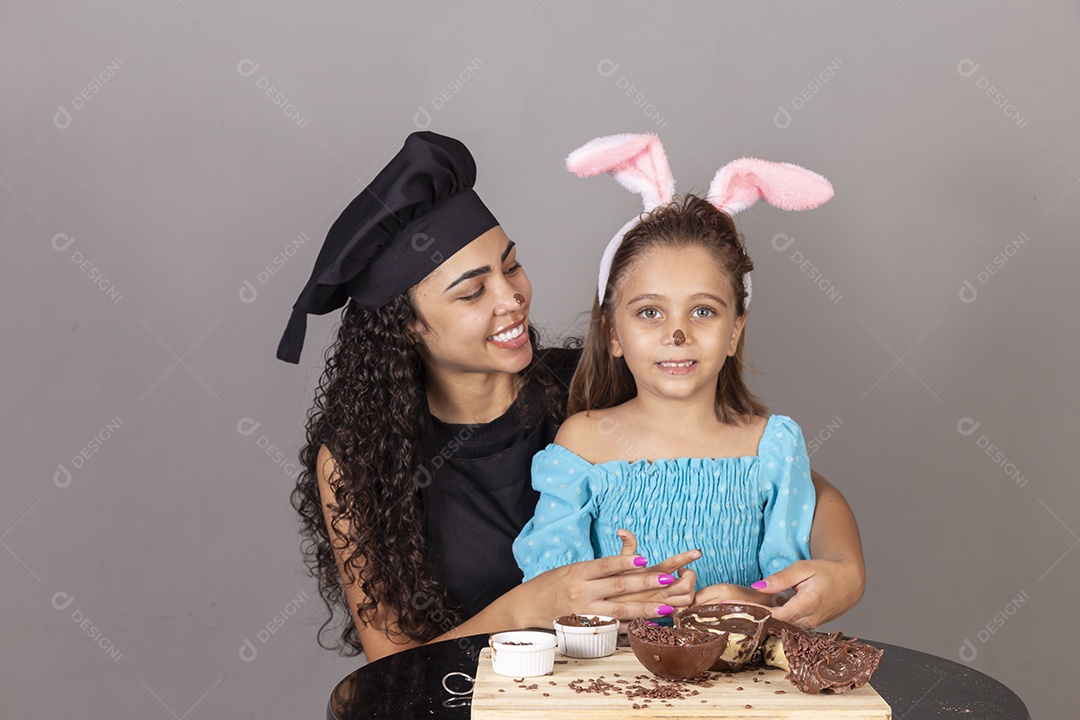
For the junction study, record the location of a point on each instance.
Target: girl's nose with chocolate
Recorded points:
(678, 337)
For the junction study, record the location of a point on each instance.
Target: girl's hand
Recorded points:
(723, 592)
(673, 563)
(824, 589)
(679, 594)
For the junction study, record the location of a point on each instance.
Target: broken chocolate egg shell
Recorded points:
(744, 625)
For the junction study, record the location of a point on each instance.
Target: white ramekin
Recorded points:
(537, 658)
(587, 642)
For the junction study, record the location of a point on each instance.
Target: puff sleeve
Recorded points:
(788, 496)
(559, 532)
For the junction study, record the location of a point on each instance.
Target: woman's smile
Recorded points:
(512, 337)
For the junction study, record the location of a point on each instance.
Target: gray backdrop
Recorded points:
(169, 170)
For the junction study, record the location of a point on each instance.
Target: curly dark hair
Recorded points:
(368, 411)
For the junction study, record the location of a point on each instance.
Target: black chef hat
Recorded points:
(417, 212)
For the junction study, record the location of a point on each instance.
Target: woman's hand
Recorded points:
(824, 589)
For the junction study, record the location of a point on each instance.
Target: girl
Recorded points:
(667, 440)
(434, 399)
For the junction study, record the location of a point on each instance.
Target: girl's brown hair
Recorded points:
(603, 380)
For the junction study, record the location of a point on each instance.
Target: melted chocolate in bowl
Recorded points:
(587, 621)
(674, 653)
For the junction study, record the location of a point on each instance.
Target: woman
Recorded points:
(435, 396)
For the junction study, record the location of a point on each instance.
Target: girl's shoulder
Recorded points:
(588, 434)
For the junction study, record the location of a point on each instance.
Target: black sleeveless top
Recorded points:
(476, 491)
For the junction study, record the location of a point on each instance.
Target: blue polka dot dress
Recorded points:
(750, 516)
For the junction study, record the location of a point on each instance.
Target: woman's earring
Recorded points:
(519, 299)
(678, 337)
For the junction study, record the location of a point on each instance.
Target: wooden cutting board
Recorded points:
(722, 700)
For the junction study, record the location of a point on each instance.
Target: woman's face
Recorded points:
(474, 310)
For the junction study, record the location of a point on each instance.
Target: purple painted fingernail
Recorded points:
(666, 579)
(760, 585)
(640, 561)
(665, 610)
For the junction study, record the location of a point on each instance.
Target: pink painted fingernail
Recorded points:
(650, 623)
(760, 585)
(666, 579)
(640, 561)
(665, 610)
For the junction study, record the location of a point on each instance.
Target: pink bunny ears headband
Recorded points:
(638, 163)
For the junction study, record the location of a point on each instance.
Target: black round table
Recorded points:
(918, 686)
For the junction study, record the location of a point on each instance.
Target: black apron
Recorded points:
(476, 494)
(476, 491)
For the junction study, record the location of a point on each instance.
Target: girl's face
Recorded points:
(676, 289)
(473, 310)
